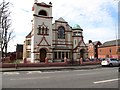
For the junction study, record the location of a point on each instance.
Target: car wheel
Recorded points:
(110, 65)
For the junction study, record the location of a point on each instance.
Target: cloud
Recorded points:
(99, 34)
(96, 17)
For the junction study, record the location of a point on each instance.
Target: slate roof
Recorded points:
(29, 35)
(94, 43)
(61, 19)
(111, 43)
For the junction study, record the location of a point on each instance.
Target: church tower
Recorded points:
(79, 47)
(41, 35)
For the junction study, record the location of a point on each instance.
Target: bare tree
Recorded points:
(5, 26)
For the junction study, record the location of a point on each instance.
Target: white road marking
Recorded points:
(55, 72)
(62, 71)
(104, 81)
(48, 72)
(29, 78)
(33, 72)
(88, 73)
(11, 73)
(81, 70)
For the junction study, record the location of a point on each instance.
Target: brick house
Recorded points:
(109, 49)
(93, 49)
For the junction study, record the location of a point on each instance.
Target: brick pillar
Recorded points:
(46, 60)
(65, 60)
(81, 61)
(25, 60)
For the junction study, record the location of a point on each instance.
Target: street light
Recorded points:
(1, 45)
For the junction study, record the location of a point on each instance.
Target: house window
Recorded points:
(79, 34)
(28, 54)
(75, 33)
(110, 50)
(42, 30)
(55, 55)
(62, 55)
(59, 55)
(46, 30)
(28, 42)
(66, 54)
(39, 30)
(61, 32)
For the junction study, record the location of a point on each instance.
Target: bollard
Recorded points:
(16, 66)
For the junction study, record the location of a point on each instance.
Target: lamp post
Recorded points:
(0, 48)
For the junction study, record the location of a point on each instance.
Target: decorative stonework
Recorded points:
(57, 41)
(43, 29)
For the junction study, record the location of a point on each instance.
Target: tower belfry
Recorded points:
(42, 31)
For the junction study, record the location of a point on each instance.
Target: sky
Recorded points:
(97, 18)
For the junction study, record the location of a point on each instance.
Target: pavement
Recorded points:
(50, 68)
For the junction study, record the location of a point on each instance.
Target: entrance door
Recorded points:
(42, 55)
(82, 52)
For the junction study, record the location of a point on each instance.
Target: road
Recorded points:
(105, 77)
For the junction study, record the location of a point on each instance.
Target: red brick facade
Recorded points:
(109, 51)
(93, 49)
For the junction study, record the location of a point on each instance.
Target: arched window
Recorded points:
(43, 13)
(43, 29)
(61, 32)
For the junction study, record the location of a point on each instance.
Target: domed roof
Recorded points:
(77, 26)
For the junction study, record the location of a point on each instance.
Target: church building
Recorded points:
(54, 41)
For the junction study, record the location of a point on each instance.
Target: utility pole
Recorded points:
(0, 46)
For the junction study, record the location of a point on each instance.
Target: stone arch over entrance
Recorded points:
(82, 53)
(43, 54)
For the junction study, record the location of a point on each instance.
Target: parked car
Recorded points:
(101, 59)
(110, 62)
